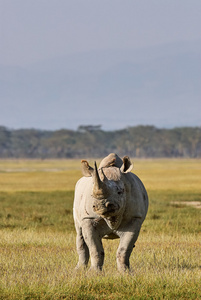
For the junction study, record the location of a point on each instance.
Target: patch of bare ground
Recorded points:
(196, 204)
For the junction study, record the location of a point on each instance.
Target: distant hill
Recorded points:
(157, 85)
(91, 141)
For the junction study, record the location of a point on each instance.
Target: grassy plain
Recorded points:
(37, 236)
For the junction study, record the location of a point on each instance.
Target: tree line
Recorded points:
(92, 141)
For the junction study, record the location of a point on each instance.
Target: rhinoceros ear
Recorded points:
(86, 169)
(127, 165)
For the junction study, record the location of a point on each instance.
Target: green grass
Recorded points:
(37, 210)
(37, 236)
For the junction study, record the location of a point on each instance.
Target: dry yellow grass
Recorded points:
(51, 175)
(41, 266)
(170, 174)
(38, 253)
(38, 175)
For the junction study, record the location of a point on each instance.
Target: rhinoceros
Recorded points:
(110, 202)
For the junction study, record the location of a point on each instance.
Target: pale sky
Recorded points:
(32, 31)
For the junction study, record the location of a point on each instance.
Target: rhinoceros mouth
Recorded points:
(106, 210)
(106, 214)
(109, 212)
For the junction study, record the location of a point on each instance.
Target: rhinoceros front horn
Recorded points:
(100, 190)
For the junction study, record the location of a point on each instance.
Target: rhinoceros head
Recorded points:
(109, 191)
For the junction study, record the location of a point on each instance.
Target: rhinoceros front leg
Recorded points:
(128, 238)
(82, 250)
(94, 243)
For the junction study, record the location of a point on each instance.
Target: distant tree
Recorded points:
(91, 141)
(89, 128)
(5, 142)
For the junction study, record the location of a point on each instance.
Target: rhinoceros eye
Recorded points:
(120, 192)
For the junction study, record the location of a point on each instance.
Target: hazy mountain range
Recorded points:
(159, 85)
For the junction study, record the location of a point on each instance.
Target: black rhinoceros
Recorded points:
(110, 202)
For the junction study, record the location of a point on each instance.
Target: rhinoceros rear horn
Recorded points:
(100, 189)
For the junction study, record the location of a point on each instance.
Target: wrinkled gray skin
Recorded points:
(110, 202)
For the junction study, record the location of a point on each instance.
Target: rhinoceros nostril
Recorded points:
(109, 205)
